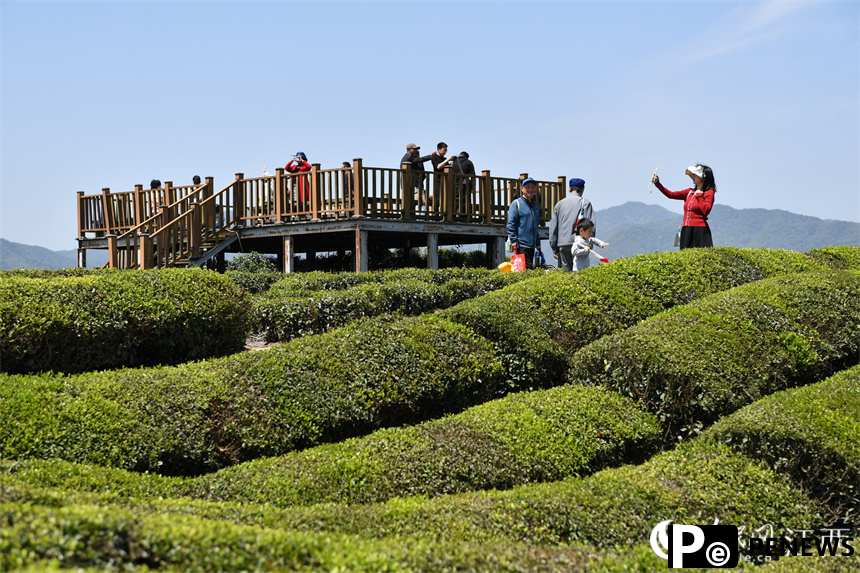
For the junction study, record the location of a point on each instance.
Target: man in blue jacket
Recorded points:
(523, 223)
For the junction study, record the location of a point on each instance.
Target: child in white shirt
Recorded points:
(581, 249)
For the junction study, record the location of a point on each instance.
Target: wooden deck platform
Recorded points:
(345, 209)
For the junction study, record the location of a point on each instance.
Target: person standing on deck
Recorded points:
(299, 164)
(416, 161)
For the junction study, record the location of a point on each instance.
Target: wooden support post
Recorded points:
(144, 256)
(238, 199)
(113, 254)
(448, 192)
(164, 220)
(433, 251)
(209, 211)
(196, 229)
(82, 258)
(560, 193)
(279, 194)
(81, 213)
(487, 196)
(162, 249)
(107, 210)
(315, 191)
(496, 252)
(288, 252)
(358, 204)
(139, 205)
(360, 251)
(169, 194)
(407, 186)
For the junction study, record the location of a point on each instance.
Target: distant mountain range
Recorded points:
(631, 229)
(18, 256)
(636, 228)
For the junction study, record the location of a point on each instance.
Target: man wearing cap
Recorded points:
(523, 223)
(416, 161)
(562, 227)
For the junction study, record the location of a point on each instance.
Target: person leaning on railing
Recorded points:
(463, 166)
(440, 162)
(416, 161)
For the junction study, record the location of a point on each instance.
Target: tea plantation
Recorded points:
(452, 420)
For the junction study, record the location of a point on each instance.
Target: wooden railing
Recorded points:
(162, 227)
(129, 248)
(116, 213)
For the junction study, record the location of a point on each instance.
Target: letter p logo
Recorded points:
(687, 546)
(684, 540)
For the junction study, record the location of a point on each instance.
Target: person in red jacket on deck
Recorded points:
(698, 202)
(299, 164)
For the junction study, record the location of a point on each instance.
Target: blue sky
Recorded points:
(111, 94)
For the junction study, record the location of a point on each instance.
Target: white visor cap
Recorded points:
(695, 170)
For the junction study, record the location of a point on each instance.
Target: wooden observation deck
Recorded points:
(323, 210)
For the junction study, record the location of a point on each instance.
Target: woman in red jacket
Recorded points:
(299, 164)
(698, 202)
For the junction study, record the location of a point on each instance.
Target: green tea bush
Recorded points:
(538, 325)
(293, 283)
(810, 434)
(254, 283)
(54, 273)
(199, 417)
(843, 257)
(318, 302)
(252, 262)
(616, 508)
(321, 311)
(80, 538)
(110, 320)
(696, 363)
(524, 438)
(695, 483)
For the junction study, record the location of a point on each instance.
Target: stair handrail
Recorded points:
(132, 241)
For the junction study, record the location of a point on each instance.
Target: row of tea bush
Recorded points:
(524, 438)
(80, 321)
(301, 305)
(592, 518)
(50, 514)
(387, 372)
(75, 320)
